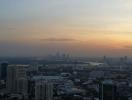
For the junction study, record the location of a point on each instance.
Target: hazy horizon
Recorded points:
(78, 27)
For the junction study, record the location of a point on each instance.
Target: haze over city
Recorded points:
(77, 27)
(65, 49)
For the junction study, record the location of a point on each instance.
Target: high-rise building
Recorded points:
(3, 70)
(22, 86)
(107, 90)
(16, 78)
(10, 84)
(41, 87)
(43, 91)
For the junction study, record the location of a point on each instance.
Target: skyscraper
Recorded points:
(16, 79)
(107, 90)
(43, 91)
(22, 86)
(3, 70)
(44, 85)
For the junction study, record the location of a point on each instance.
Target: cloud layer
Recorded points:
(58, 39)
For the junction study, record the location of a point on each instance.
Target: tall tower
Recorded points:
(16, 79)
(22, 86)
(43, 91)
(3, 70)
(107, 90)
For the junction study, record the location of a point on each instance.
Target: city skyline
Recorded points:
(77, 27)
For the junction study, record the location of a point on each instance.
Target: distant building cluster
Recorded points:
(67, 79)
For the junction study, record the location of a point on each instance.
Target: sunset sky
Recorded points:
(77, 27)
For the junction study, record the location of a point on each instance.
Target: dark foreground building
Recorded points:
(107, 90)
(3, 70)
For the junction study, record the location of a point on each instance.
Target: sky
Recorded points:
(77, 27)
